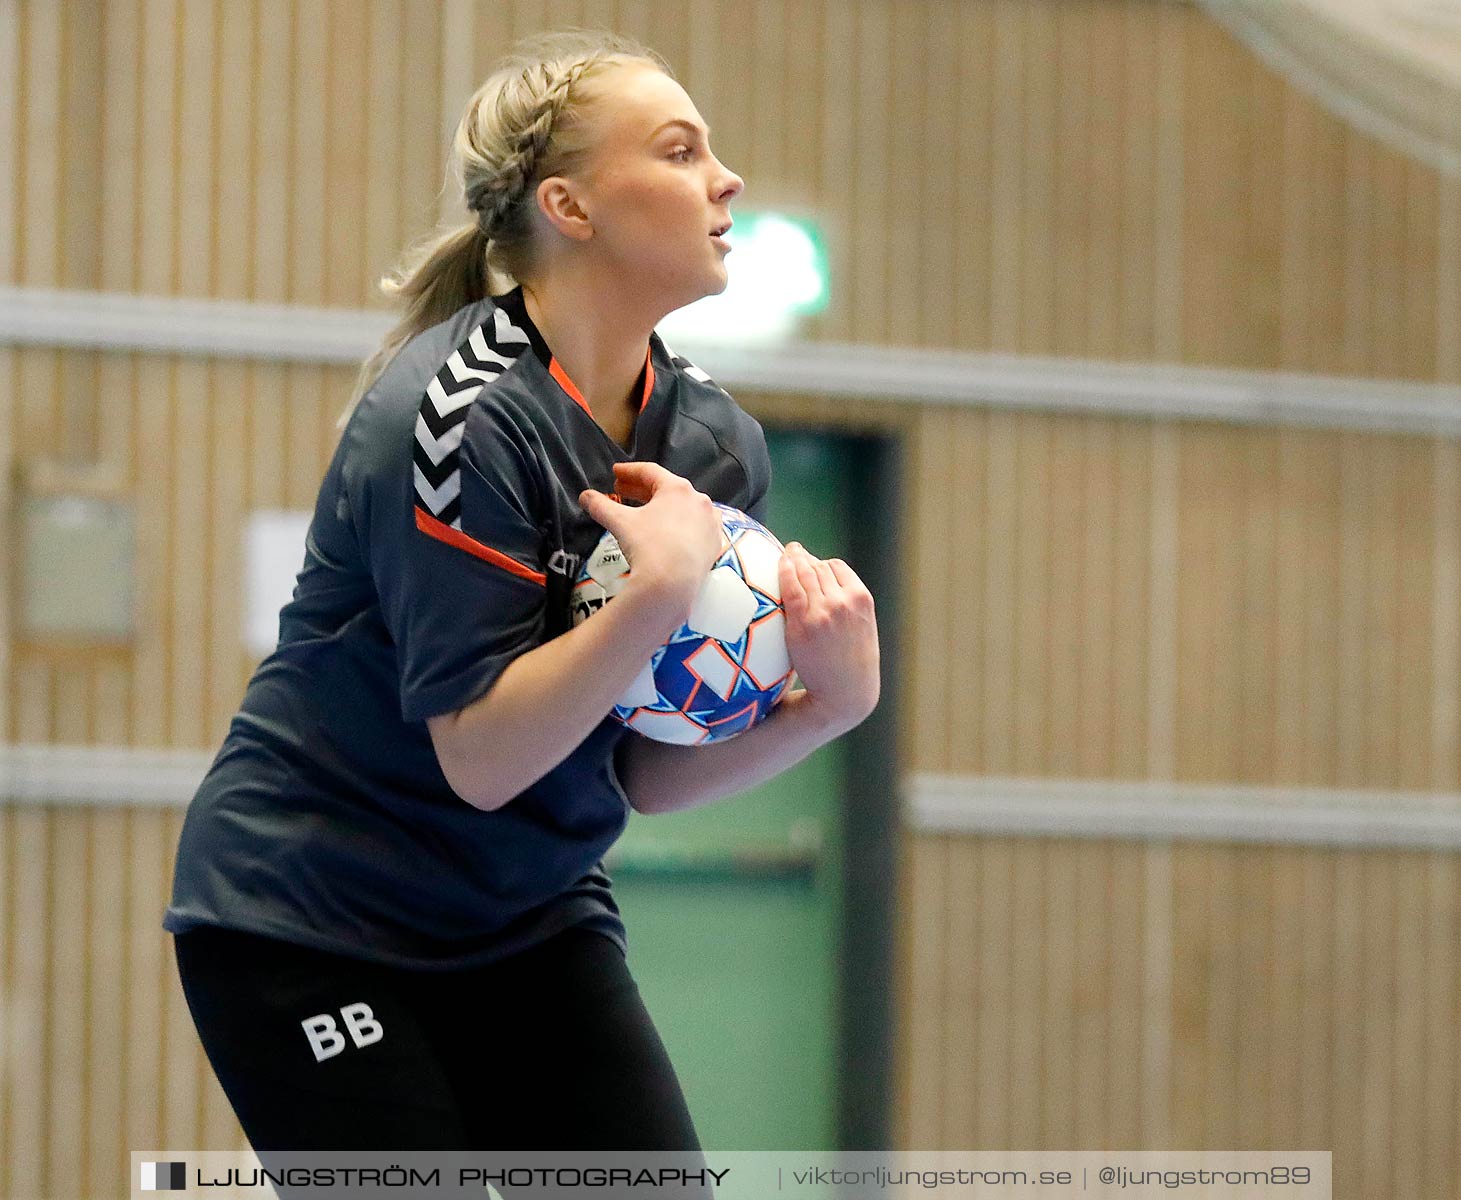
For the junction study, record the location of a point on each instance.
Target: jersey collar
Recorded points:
(516, 308)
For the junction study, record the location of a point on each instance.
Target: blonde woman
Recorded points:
(392, 924)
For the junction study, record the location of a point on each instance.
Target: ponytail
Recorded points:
(438, 276)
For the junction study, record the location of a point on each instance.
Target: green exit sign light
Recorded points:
(778, 273)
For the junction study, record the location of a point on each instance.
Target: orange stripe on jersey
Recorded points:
(555, 369)
(430, 526)
(648, 381)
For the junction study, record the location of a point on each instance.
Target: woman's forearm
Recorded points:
(658, 777)
(548, 700)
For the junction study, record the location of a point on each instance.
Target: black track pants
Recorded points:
(550, 1049)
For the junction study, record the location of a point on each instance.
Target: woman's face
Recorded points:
(653, 193)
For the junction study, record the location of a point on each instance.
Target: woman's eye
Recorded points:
(683, 154)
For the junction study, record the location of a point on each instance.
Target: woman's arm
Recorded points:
(832, 637)
(548, 700)
(659, 777)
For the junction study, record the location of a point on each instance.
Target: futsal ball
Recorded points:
(726, 667)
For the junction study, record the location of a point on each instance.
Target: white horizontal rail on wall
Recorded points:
(1182, 812)
(100, 775)
(165, 325)
(231, 329)
(1019, 807)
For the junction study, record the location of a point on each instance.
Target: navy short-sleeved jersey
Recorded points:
(444, 543)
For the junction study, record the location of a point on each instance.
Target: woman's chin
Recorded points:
(691, 295)
(688, 291)
(716, 284)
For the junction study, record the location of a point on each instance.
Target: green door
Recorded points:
(734, 909)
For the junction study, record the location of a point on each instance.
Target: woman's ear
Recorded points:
(559, 203)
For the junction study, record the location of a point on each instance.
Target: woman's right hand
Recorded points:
(671, 539)
(521, 728)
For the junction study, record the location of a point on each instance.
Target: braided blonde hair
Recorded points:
(524, 124)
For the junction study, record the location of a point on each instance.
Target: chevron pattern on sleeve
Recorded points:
(490, 350)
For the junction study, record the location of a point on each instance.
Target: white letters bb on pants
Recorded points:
(325, 1038)
(360, 1021)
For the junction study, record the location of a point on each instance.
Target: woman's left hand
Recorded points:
(831, 635)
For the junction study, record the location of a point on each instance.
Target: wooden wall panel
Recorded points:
(1035, 663)
(28, 989)
(1021, 175)
(1095, 598)
(106, 999)
(1275, 1044)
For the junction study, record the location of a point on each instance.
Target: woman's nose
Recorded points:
(731, 186)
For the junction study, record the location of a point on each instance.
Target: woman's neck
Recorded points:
(600, 346)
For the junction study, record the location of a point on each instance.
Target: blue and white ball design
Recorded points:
(726, 667)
